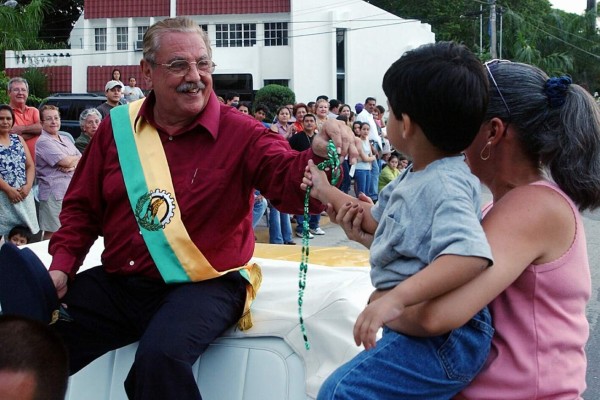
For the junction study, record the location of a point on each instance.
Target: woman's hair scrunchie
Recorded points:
(556, 90)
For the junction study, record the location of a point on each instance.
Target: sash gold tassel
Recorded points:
(252, 287)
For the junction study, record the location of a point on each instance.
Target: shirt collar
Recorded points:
(208, 118)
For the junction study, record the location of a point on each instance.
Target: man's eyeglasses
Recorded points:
(19, 90)
(182, 67)
(50, 119)
(487, 66)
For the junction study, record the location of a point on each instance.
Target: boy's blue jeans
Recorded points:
(408, 367)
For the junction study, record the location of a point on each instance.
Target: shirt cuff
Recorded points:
(64, 262)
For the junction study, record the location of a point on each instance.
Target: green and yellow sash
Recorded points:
(152, 196)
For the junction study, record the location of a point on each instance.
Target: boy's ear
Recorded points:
(408, 125)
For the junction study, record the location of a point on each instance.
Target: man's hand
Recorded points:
(60, 280)
(342, 137)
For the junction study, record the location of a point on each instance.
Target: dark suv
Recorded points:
(70, 106)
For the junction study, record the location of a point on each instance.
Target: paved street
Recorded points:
(335, 237)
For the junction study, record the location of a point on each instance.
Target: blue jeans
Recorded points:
(362, 177)
(280, 227)
(373, 188)
(313, 222)
(408, 367)
(258, 210)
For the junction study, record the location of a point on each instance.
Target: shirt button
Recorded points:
(131, 262)
(171, 138)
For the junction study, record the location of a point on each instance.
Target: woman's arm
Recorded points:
(68, 162)
(29, 170)
(530, 224)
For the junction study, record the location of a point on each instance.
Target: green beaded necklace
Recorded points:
(333, 162)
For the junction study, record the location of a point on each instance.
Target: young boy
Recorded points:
(19, 235)
(424, 233)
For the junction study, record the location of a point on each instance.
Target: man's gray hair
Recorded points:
(179, 24)
(17, 79)
(86, 113)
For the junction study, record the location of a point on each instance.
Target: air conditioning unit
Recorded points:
(138, 45)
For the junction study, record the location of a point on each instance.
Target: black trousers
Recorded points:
(174, 324)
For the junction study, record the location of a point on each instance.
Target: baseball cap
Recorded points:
(26, 288)
(112, 84)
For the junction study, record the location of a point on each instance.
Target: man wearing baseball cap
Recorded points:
(113, 96)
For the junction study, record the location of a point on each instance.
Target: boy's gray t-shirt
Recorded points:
(423, 215)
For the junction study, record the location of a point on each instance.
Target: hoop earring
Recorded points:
(488, 147)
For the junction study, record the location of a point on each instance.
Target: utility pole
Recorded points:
(480, 28)
(591, 6)
(493, 45)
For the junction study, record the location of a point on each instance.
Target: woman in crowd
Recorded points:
(390, 171)
(539, 154)
(89, 120)
(362, 174)
(116, 76)
(55, 162)
(322, 113)
(17, 172)
(356, 128)
(299, 110)
(281, 125)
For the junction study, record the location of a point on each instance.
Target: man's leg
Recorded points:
(191, 317)
(106, 311)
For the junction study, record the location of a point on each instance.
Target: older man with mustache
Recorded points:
(168, 181)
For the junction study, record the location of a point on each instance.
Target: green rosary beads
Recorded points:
(332, 162)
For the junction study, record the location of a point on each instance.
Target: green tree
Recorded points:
(274, 96)
(19, 27)
(532, 32)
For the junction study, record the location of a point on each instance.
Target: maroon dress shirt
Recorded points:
(215, 165)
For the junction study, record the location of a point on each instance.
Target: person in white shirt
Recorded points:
(366, 115)
(132, 92)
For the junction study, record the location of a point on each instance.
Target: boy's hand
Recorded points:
(316, 179)
(373, 317)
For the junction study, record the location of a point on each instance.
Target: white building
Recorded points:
(340, 49)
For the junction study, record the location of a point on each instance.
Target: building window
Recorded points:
(100, 39)
(276, 34)
(236, 35)
(141, 32)
(280, 82)
(204, 27)
(122, 38)
(139, 41)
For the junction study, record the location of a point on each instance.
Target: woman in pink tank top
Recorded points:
(538, 152)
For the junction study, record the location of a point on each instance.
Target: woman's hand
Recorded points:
(14, 195)
(350, 217)
(24, 190)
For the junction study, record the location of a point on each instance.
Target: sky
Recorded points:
(574, 6)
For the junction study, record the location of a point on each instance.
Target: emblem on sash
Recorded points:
(155, 209)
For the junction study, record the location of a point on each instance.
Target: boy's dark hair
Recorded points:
(442, 87)
(32, 347)
(333, 103)
(20, 230)
(261, 107)
(324, 97)
(231, 95)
